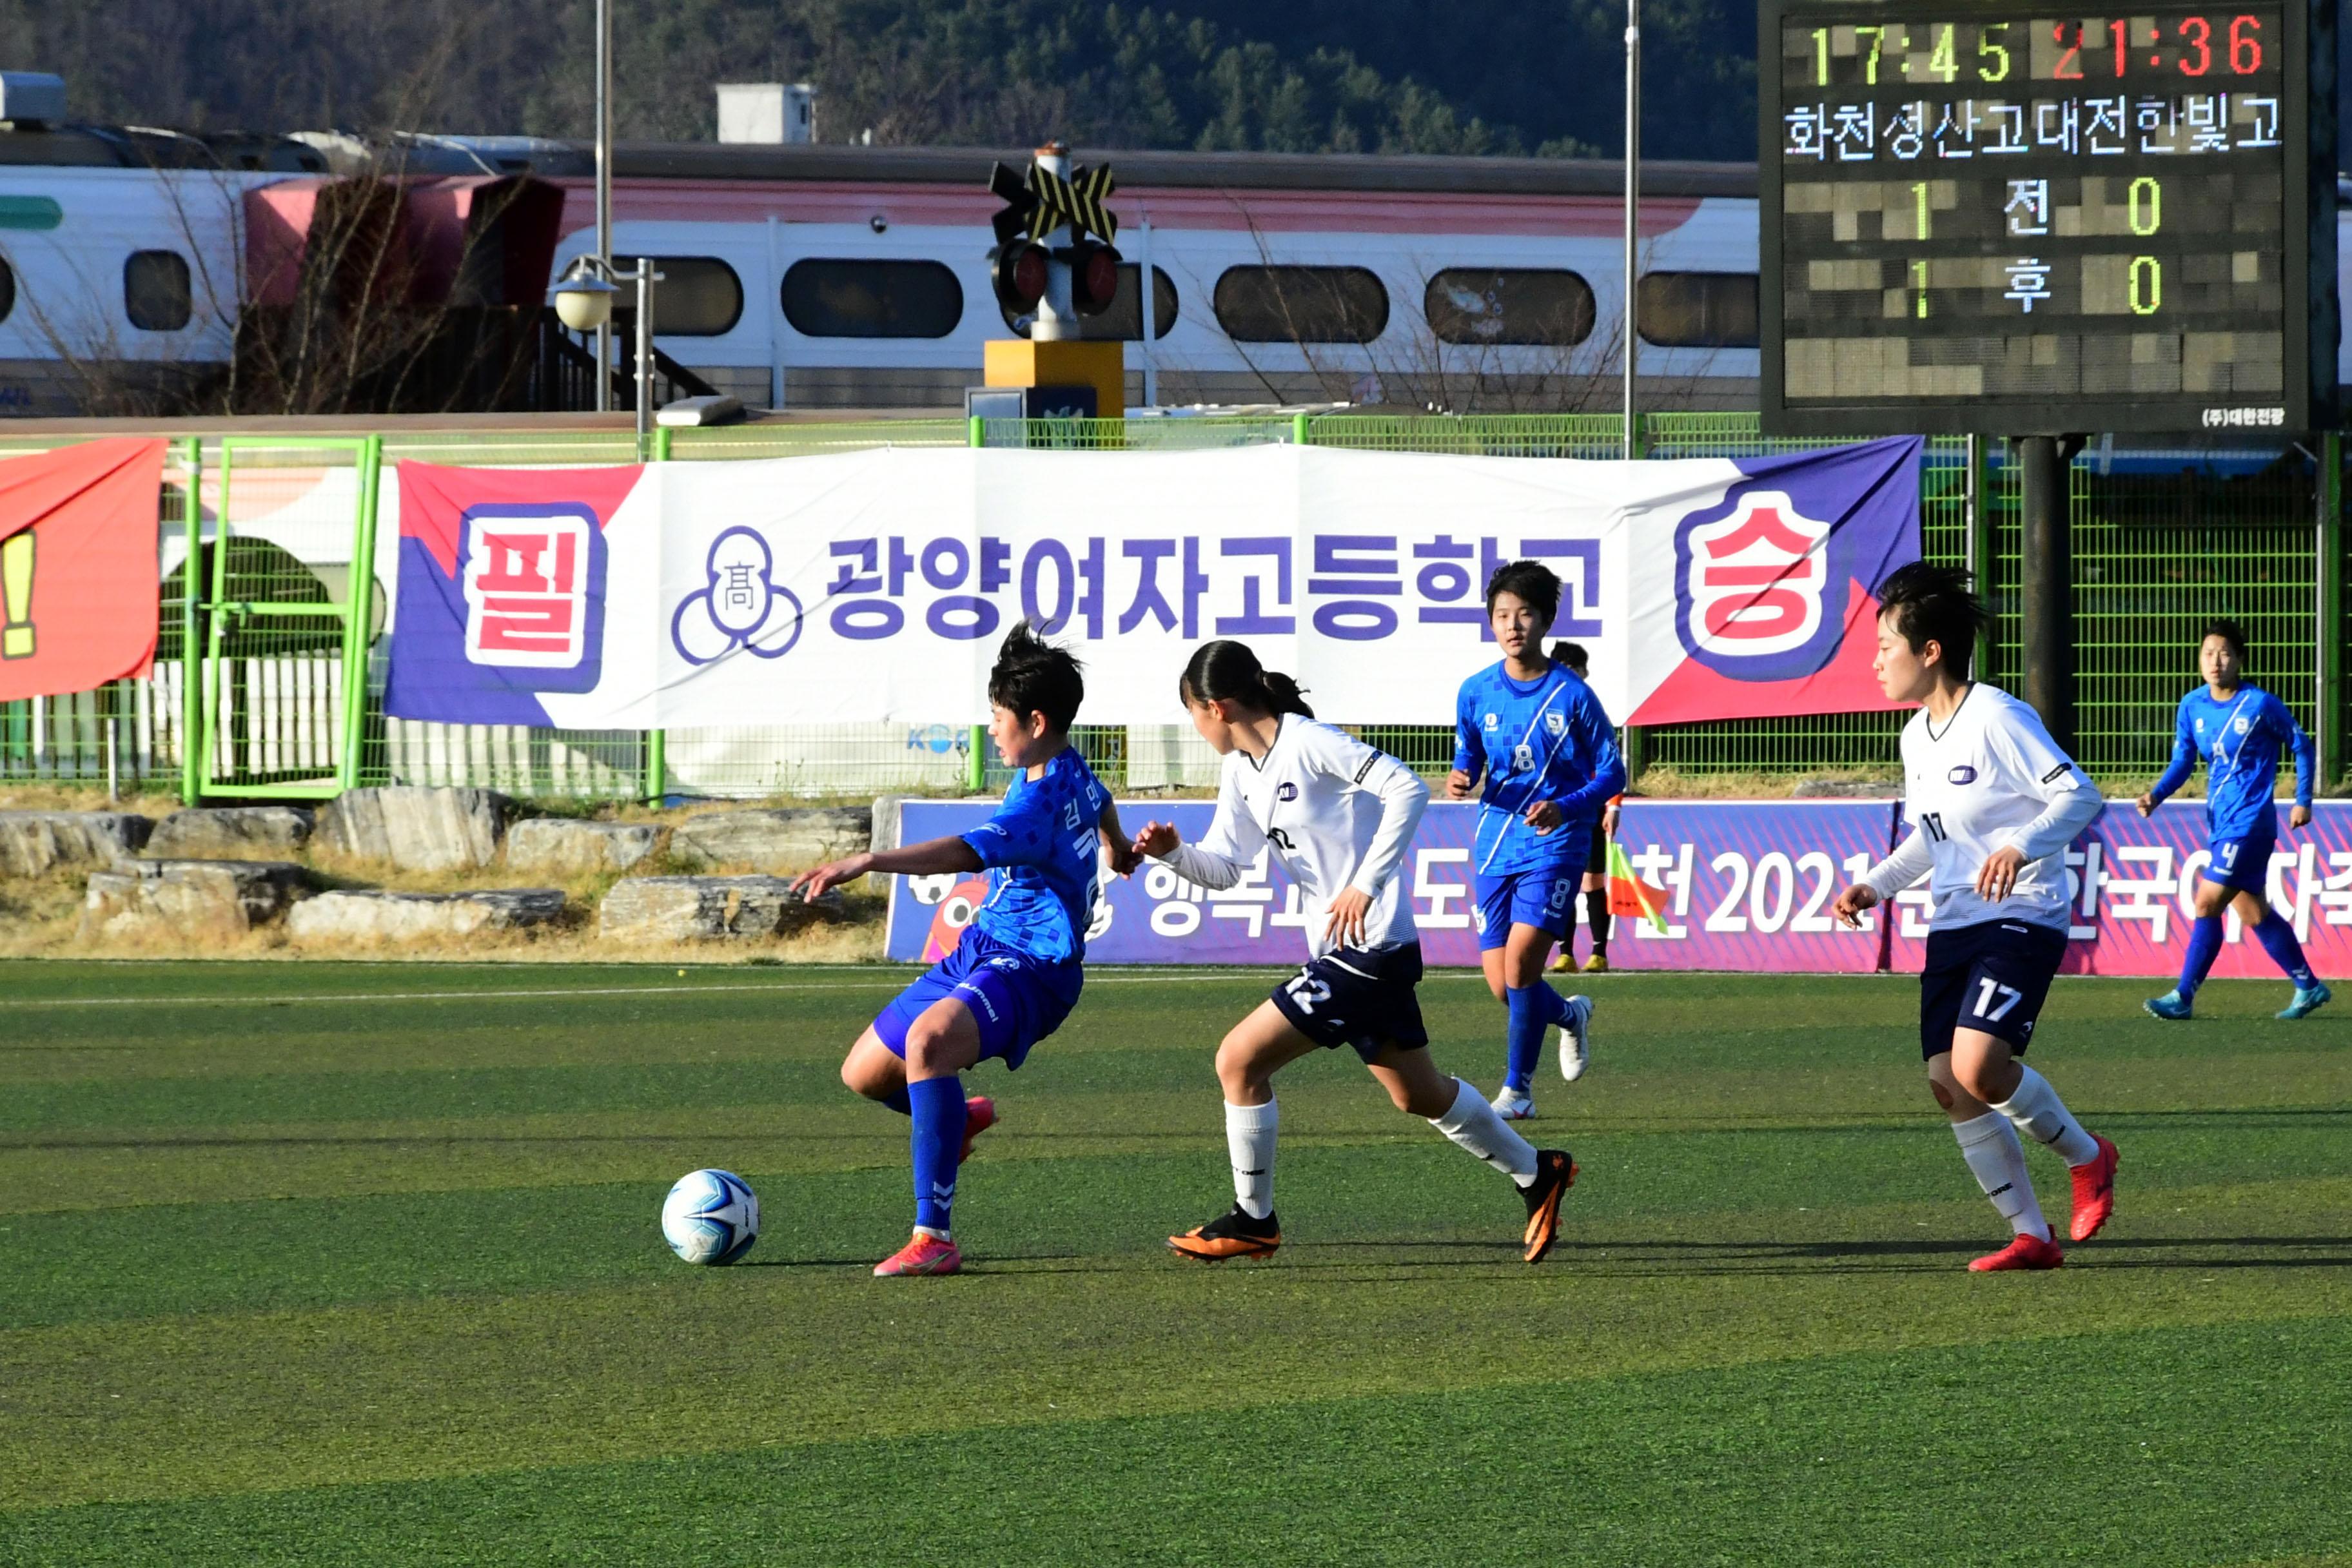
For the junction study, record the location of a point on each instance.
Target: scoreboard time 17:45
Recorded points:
(1987, 217)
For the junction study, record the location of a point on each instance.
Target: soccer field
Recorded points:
(349, 1263)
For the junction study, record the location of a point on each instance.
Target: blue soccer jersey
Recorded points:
(1533, 740)
(1041, 849)
(2240, 741)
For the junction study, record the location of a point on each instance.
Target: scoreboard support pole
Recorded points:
(2047, 580)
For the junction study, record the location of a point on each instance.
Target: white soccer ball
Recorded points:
(710, 1216)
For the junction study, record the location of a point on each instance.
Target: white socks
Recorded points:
(1989, 1145)
(1474, 1124)
(2036, 1109)
(1249, 1138)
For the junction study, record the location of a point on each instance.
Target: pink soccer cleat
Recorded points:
(2095, 1190)
(979, 1116)
(923, 1255)
(2025, 1252)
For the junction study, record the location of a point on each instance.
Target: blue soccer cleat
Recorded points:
(2171, 1006)
(2308, 999)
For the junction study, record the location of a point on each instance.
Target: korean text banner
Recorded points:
(77, 566)
(875, 586)
(1747, 886)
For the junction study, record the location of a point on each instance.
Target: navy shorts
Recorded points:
(1352, 997)
(1992, 976)
(1544, 899)
(1016, 1000)
(2244, 864)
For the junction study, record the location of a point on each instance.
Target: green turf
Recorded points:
(358, 1264)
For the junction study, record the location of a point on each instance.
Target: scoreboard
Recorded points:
(2000, 218)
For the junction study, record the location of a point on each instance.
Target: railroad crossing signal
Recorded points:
(1039, 203)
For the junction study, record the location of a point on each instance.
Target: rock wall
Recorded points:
(413, 829)
(33, 842)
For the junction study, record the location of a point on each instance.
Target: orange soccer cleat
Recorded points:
(1234, 1234)
(1555, 1174)
(923, 1255)
(2024, 1252)
(2095, 1190)
(979, 1116)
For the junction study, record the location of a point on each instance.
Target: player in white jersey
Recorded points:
(1337, 815)
(1993, 803)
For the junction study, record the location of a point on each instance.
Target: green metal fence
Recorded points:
(2155, 555)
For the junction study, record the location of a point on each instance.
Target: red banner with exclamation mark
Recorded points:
(79, 589)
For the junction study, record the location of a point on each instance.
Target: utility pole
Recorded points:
(605, 195)
(1632, 213)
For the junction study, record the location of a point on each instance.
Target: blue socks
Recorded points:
(2204, 947)
(938, 1140)
(897, 1100)
(2277, 938)
(1534, 1009)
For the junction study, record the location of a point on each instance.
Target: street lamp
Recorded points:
(584, 302)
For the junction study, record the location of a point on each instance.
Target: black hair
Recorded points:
(1572, 655)
(1934, 603)
(2230, 631)
(1533, 582)
(1227, 671)
(1033, 676)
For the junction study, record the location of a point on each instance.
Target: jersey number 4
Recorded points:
(1995, 1000)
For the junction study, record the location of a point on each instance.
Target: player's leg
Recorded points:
(2205, 934)
(1988, 1140)
(1252, 1052)
(1597, 915)
(875, 1066)
(2276, 934)
(941, 1042)
(875, 1070)
(1543, 909)
(1542, 1175)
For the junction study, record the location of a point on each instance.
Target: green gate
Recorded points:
(284, 605)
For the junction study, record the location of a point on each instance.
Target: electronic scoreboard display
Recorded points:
(2000, 218)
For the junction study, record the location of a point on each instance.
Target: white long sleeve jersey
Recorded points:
(1336, 814)
(1992, 778)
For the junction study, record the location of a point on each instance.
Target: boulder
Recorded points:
(31, 842)
(233, 832)
(691, 909)
(415, 828)
(408, 917)
(563, 844)
(215, 900)
(789, 841)
(883, 834)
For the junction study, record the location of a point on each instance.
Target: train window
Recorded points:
(1699, 309)
(845, 298)
(1300, 305)
(699, 297)
(1123, 323)
(1539, 308)
(7, 291)
(155, 291)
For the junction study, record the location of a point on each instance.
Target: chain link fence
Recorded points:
(2159, 546)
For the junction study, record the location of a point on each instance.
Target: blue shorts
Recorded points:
(1992, 976)
(1016, 1000)
(2244, 864)
(1544, 898)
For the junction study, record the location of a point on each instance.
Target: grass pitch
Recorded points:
(358, 1264)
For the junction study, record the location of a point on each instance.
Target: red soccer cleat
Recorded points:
(2095, 1190)
(2024, 1252)
(923, 1255)
(979, 1116)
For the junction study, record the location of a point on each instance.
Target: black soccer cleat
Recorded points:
(1555, 1174)
(1232, 1234)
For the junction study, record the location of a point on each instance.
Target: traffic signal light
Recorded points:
(1094, 277)
(1018, 270)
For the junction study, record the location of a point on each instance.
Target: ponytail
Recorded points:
(1226, 671)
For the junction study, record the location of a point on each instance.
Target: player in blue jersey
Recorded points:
(1015, 972)
(2238, 732)
(1535, 734)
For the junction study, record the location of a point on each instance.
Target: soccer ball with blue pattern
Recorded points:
(710, 1216)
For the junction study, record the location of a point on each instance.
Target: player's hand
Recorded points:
(1997, 875)
(1157, 839)
(1852, 902)
(1457, 786)
(2146, 804)
(1346, 923)
(1608, 822)
(1543, 816)
(2299, 817)
(1123, 856)
(813, 885)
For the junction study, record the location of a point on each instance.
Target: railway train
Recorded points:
(835, 276)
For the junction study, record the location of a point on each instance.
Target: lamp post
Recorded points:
(583, 300)
(604, 198)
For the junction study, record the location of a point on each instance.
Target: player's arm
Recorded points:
(1225, 853)
(1595, 738)
(1123, 856)
(1403, 799)
(2177, 771)
(2307, 765)
(1469, 751)
(1912, 860)
(2069, 801)
(931, 857)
